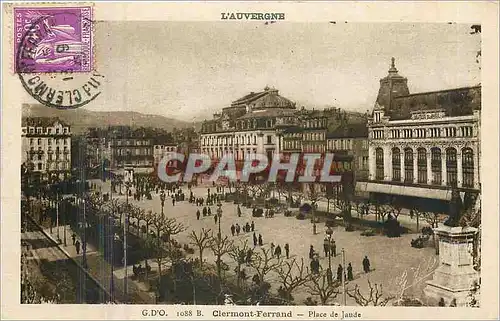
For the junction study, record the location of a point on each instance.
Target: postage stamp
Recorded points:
(53, 39)
(250, 160)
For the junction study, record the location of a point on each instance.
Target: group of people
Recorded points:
(276, 250)
(77, 244)
(236, 229)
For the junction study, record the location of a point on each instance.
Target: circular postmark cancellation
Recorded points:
(54, 55)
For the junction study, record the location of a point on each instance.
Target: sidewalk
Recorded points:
(100, 270)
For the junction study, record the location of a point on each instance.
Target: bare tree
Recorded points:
(263, 263)
(220, 246)
(384, 210)
(375, 296)
(172, 227)
(433, 218)
(320, 287)
(239, 255)
(291, 275)
(202, 241)
(417, 214)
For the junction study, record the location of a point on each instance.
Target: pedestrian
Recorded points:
(329, 276)
(340, 270)
(238, 229)
(209, 212)
(239, 211)
(198, 214)
(247, 227)
(441, 302)
(84, 247)
(252, 226)
(260, 240)
(350, 277)
(287, 250)
(173, 201)
(215, 219)
(366, 264)
(334, 248)
(254, 239)
(311, 252)
(73, 237)
(277, 252)
(77, 247)
(272, 248)
(233, 229)
(205, 211)
(326, 246)
(249, 256)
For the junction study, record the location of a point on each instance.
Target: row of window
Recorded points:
(57, 141)
(134, 142)
(315, 123)
(314, 136)
(133, 151)
(49, 150)
(313, 148)
(292, 144)
(436, 166)
(46, 130)
(52, 166)
(50, 157)
(433, 132)
(166, 148)
(224, 141)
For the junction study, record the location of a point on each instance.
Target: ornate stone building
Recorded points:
(422, 144)
(249, 125)
(46, 146)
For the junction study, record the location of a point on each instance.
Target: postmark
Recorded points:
(54, 55)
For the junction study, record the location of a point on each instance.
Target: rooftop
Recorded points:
(42, 121)
(269, 98)
(454, 102)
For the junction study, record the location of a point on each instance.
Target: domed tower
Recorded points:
(391, 86)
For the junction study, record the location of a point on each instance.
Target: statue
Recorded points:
(455, 209)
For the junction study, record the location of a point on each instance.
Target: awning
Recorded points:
(432, 193)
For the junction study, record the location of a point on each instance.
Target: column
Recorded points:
(371, 162)
(415, 167)
(429, 167)
(443, 167)
(477, 162)
(387, 163)
(402, 158)
(460, 176)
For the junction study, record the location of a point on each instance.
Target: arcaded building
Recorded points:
(423, 144)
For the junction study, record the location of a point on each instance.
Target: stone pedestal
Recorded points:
(455, 276)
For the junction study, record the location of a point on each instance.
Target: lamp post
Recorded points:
(84, 234)
(128, 182)
(162, 199)
(329, 232)
(219, 216)
(344, 293)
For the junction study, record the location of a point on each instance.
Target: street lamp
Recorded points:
(219, 216)
(128, 182)
(162, 199)
(329, 232)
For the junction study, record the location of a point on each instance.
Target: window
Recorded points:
(49, 141)
(408, 165)
(269, 139)
(32, 141)
(379, 164)
(49, 131)
(396, 164)
(40, 157)
(468, 167)
(39, 166)
(451, 166)
(57, 130)
(39, 142)
(422, 165)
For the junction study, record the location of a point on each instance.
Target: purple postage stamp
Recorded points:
(53, 39)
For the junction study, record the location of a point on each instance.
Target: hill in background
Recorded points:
(80, 119)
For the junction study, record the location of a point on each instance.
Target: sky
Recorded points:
(190, 70)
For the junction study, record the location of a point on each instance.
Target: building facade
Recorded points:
(351, 140)
(247, 126)
(46, 146)
(423, 144)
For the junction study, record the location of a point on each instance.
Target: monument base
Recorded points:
(454, 279)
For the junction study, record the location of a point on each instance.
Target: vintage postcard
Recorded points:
(249, 160)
